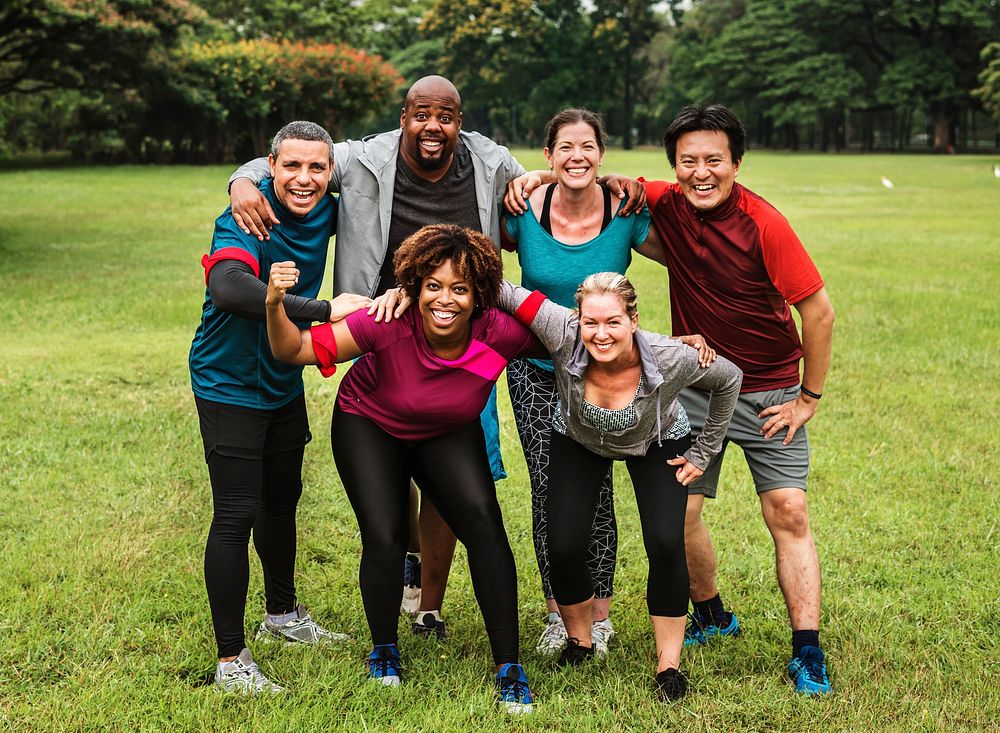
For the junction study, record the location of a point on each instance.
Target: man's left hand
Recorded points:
(622, 187)
(792, 415)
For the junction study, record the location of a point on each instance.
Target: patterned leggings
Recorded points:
(533, 396)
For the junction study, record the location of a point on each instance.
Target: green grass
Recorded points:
(105, 503)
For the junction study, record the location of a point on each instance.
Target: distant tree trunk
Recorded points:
(943, 117)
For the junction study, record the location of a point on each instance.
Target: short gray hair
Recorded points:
(611, 283)
(301, 130)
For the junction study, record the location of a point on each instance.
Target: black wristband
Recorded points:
(810, 393)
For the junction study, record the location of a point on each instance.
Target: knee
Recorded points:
(234, 523)
(665, 546)
(788, 514)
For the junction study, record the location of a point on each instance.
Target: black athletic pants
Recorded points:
(575, 477)
(454, 472)
(254, 462)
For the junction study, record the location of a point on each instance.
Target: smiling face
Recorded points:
(431, 121)
(705, 169)
(576, 155)
(605, 327)
(301, 174)
(446, 303)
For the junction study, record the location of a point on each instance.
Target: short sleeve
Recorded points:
(510, 337)
(372, 336)
(654, 191)
(640, 227)
(229, 242)
(510, 232)
(789, 266)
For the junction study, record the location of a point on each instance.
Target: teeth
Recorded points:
(444, 315)
(704, 187)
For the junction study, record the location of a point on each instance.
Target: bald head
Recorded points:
(433, 87)
(431, 120)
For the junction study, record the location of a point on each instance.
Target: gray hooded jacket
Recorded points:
(364, 173)
(668, 366)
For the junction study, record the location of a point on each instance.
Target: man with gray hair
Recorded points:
(251, 407)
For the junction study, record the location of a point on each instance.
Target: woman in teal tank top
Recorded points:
(568, 232)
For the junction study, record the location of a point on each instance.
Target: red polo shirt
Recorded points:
(733, 272)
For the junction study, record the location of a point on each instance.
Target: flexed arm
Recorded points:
(295, 346)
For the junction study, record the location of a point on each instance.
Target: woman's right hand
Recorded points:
(284, 275)
(390, 304)
(251, 211)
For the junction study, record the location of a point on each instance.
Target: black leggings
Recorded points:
(454, 472)
(251, 494)
(575, 476)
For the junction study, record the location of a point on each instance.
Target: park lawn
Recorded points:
(105, 502)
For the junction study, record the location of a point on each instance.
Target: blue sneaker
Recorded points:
(514, 693)
(384, 665)
(699, 633)
(808, 672)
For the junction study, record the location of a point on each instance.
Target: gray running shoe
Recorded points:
(553, 639)
(300, 630)
(601, 633)
(244, 677)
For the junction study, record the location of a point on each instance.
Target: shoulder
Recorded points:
(537, 198)
(488, 151)
(655, 190)
(759, 209)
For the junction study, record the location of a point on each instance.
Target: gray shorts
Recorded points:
(772, 464)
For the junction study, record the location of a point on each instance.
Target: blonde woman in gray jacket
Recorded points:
(618, 390)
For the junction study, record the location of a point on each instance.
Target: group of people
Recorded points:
(422, 309)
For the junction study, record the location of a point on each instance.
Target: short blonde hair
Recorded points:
(613, 283)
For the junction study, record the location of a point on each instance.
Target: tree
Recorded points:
(621, 31)
(62, 44)
(989, 77)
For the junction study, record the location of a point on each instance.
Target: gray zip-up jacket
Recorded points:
(364, 173)
(668, 366)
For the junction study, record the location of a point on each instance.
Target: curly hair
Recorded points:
(473, 256)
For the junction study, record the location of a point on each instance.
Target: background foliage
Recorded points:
(208, 80)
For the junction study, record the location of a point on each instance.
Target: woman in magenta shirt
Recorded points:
(410, 407)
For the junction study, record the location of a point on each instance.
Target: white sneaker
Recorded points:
(244, 677)
(300, 630)
(553, 639)
(601, 633)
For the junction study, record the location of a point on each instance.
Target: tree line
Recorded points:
(210, 80)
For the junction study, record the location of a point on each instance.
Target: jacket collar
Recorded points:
(651, 376)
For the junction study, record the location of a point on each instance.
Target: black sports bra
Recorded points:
(545, 221)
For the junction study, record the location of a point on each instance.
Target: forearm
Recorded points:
(723, 379)
(817, 340)
(256, 170)
(235, 289)
(288, 343)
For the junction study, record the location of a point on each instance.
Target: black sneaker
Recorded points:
(671, 684)
(575, 654)
(429, 627)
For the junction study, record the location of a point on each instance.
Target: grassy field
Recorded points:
(105, 502)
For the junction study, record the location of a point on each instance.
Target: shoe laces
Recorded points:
(812, 664)
(411, 572)
(514, 687)
(385, 664)
(600, 632)
(574, 653)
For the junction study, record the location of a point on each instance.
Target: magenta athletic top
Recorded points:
(405, 389)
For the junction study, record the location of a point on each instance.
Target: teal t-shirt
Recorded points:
(230, 358)
(557, 269)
